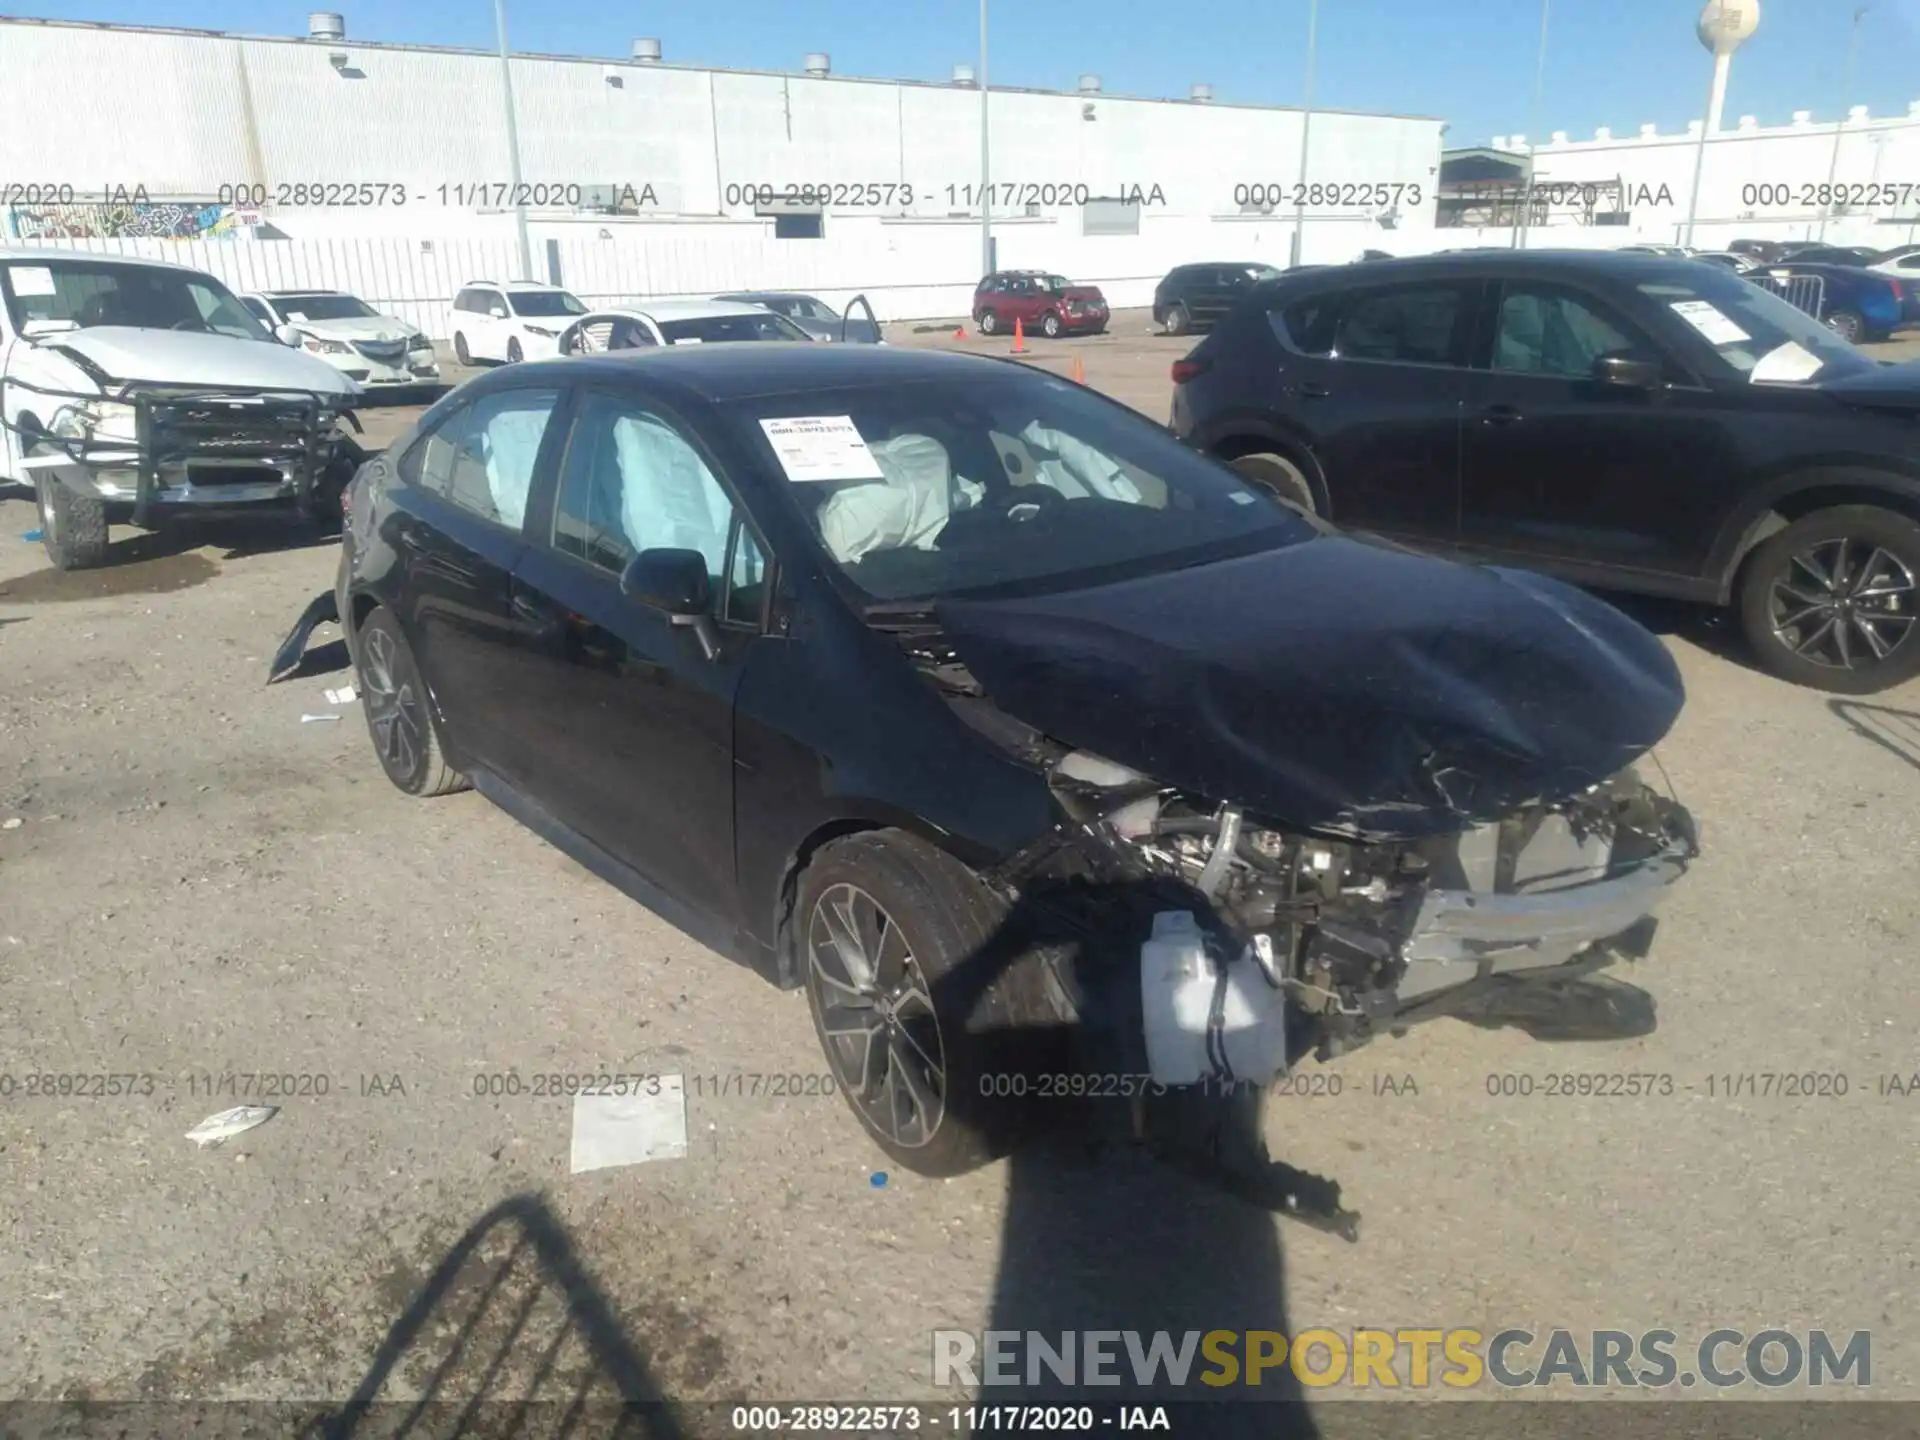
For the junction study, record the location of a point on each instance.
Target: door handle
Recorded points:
(1499, 415)
(532, 611)
(1308, 390)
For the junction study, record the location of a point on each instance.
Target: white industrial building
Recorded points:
(651, 178)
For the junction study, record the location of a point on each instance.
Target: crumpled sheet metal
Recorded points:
(1334, 685)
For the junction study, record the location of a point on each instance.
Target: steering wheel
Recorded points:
(1024, 502)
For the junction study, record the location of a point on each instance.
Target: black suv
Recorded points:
(1626, 421)
(1193, 297)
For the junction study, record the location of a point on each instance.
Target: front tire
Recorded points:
(73, 528)
(1179, 320)
(1050, 325)
(1281, 476)
(1833, 601)
(1848, 325)
(399, 711)
(460, 351)
(514, 353)
(895, 938)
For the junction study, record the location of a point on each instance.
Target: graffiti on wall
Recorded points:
(111, 221)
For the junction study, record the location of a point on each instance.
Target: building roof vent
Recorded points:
(1603, 133)
(646, 52)
(1749, 122)
(1803, 117)
(1559, 138)
(326, 25)
(1857, 114)
(1089, 84)
(963, 74)
(1648, 132)
(1202, 93)
(819, 63)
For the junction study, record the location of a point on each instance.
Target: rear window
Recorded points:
(1413, 326)
(1307, 325)
(719, 329)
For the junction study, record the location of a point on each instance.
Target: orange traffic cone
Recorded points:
(959, 332)
(1019, 337)
(1079, 376)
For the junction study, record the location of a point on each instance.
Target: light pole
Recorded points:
(1724, 26)
(1306, 130)
(986, 183)
(513, 141)
(1846, 93)
(1533, 130)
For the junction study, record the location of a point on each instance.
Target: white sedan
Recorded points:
(675, 322)
(348, 334)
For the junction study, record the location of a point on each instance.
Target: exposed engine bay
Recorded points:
(1212, 943)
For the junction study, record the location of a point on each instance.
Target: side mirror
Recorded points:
(286, 335)
(676, 583)
(498, 312)
(1626, 374)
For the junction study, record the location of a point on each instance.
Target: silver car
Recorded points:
(816, 317)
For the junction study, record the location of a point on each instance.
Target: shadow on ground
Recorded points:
(1895, 731)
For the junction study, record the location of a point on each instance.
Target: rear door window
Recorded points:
(482, 457)
(1411, 325)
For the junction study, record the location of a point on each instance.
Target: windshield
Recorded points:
(717, 329)
(86, 293)
(1054, 283)
(323, 307)
(1008, 483)
(1755, 331)
(544, 302)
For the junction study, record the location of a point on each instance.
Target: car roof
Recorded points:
(39, 256)
(511, 285)
(732, 372)
(1617, 264)
(304, 290)
(752, 295)
(680, 310)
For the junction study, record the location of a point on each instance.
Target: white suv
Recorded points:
(519, 320)
(347, 333)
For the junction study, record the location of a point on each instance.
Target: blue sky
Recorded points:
(1619, 63)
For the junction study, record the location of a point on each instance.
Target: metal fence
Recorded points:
(1803, 292)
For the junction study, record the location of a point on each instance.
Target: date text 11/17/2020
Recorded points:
(898, 195)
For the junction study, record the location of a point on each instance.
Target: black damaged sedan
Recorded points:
(1027, 741)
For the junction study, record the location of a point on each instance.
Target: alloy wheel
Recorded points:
(876, 1016)
(1846, 604)
(393, 706)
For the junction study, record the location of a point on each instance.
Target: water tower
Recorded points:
(1725, 25)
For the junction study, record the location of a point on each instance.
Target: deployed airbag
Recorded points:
(1334, 684)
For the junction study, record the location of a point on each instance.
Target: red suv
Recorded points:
(1051, 304)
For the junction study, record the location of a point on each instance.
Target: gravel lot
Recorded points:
(199, 883)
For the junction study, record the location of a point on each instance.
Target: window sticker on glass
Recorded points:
(1702, 315)
(1790, 361)
(32, 280)
(296, 315)
(821, 447)
(687, 340)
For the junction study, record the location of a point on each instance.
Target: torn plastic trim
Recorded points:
(287, 659)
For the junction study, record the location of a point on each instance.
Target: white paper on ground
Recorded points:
(345, 695)
(1791, 361)
(1708, 320)
(33, 280)
(237, 1121)
(821, 447)
(612, 1130)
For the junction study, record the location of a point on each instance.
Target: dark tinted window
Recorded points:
(1306, 325)
(1547, 331)
(546, 303)
(1413, 325)
(716, 329)
(482, 457)
(633, 482)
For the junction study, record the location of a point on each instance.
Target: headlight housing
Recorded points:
(542, 331)
(95, 419)
(420, 342)
(325, 347)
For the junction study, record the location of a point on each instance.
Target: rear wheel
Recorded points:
(399, 713)
(73, 527)
(1833, 600)
(1848, 325)
(1179, 320)
(1280, 475)
(460, 351)
(989, 323)
(924, 1025)
(1050, 325)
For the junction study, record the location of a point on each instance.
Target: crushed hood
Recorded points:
(1334, 685)
(357, 327)
(180, 357)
